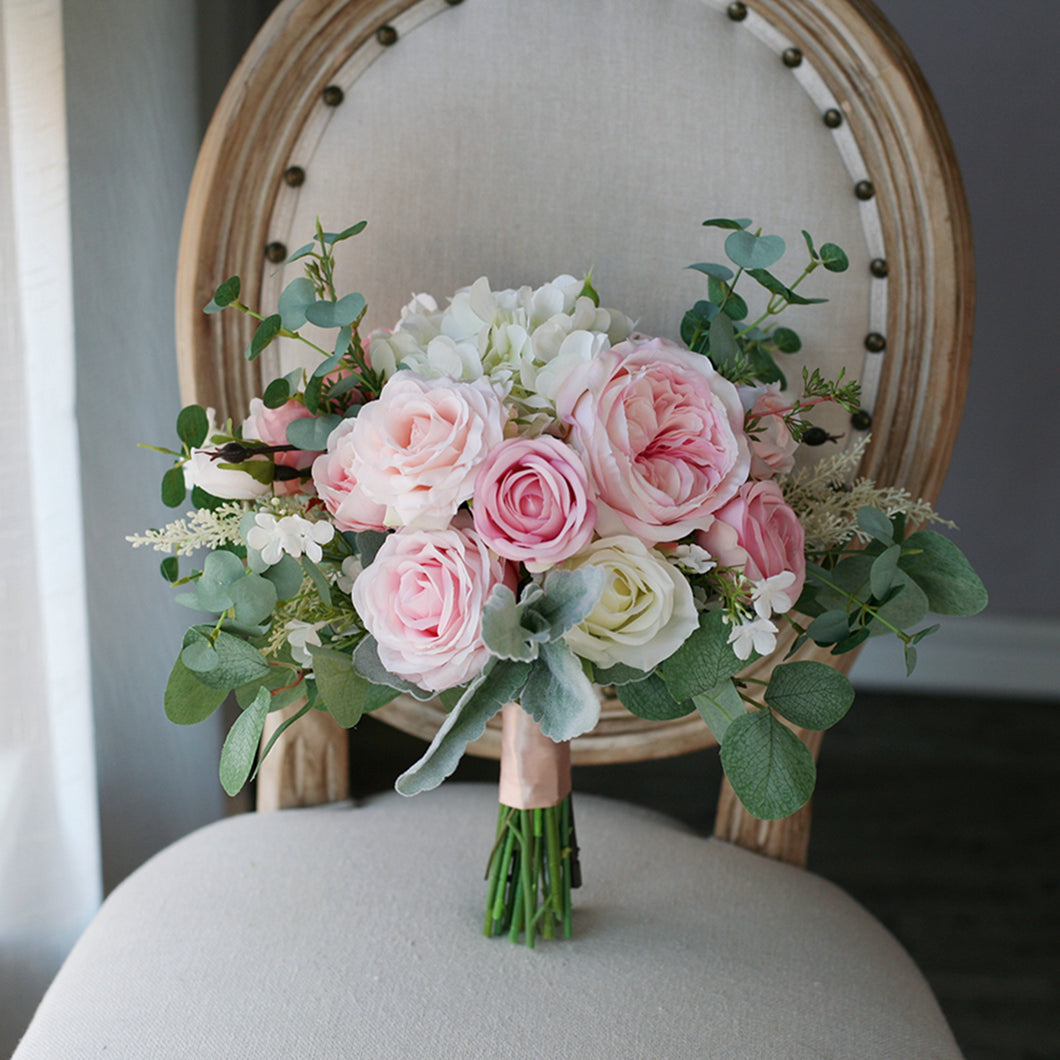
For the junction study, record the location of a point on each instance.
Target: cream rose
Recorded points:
(646, 610)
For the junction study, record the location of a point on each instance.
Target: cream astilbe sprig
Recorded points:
(202, 528)
(827, 497)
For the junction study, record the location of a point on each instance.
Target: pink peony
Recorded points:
(758, 532)
(422, 600)
(417, 449)
(350, 507)
(661, 433)
(533, 502)
(772, 446)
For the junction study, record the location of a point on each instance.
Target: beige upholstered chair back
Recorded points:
(521, 139)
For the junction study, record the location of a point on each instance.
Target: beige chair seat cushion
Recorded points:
(356, 932)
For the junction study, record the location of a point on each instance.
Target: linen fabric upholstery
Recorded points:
(344, 931)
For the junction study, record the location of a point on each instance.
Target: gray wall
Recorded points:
(136, 89)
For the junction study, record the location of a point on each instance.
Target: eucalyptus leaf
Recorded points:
(192, 425)
(336, 314)
(224, 296)
(728, 222)
(170, 568)
(239, 663)
(876, 524)
(771, 770)
(754, 252)
(331, 238)
(786, 340)
(295, 298)
(241, 745)
(809, 694)
(882, 573)
(311, 432)
(266, 331)
(301, 252)
(711, 268)
(286, 576)
(704, 660)
(722, 339)
(277, 393)
(558, 695)
(651, 699)
(254, 598)
(943, 572)
(187, 700)
(198, 653)
(329, 364)
(771, 283)
(910, 659)
(319, 580)
(368, 544)
(834, 258)
(499, 683)
(719, 707)
(174, 489)
(809, 244)
(619, 674)
(829, 627)
(346, 694)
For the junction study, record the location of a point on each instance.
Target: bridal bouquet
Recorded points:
(516, 499)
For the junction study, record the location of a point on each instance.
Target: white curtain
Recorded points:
(49, 845)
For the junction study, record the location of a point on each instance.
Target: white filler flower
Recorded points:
(292, 534)
(771, 596)
(758, 634)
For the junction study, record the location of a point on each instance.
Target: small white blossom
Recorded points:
(770, 595)
(351, 569)
(693, 559)
(292, 534)
(758, 634)
(300, 635)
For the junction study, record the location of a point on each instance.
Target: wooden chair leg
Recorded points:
(308, 765)
(786, 840)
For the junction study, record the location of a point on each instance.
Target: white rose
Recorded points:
(203, 469)
(646, 610)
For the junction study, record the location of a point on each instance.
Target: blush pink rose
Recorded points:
(661, 433)
(533, 503)
(417, 449)
(772, 446)
(758, 532)
(338, 488)
(422, 600)
(270, 426)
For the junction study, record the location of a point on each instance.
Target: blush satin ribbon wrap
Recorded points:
(535, 771)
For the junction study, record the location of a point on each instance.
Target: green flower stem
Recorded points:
(529, 876)
(866, 609)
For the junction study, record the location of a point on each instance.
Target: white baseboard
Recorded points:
(982, 655)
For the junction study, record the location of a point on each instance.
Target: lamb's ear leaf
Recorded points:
(498, 684)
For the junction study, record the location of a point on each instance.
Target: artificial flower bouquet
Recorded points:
(516, 499)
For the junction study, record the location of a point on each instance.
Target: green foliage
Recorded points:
(224, 296)
(192, 426)
(345, 693)
(187, 699)
(235, 663)
(500, 682)
(173, 488)
(834, 258)
(943, 572)
(651, 699)
(311, 433)
(266, 331)
(703, 661)
(769, 767)
(754, 252)
(558, 695)
(170, 568)
(241, 745)
(719, 707)
(809, 694)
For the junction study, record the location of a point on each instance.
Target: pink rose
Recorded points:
(417, 449)
(350, 507)
(533, 502)
(661, 433)
(772, 446)
(422, 600)
(759, 533)
(270, 426)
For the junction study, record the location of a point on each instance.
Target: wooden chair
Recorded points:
(520, 139)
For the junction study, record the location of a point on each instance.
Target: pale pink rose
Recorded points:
(417, 449)
(772, 446)
(270, 426)
(422, 600)
(337, 487)
(758, 532)
(661, 433)
(533, 502)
